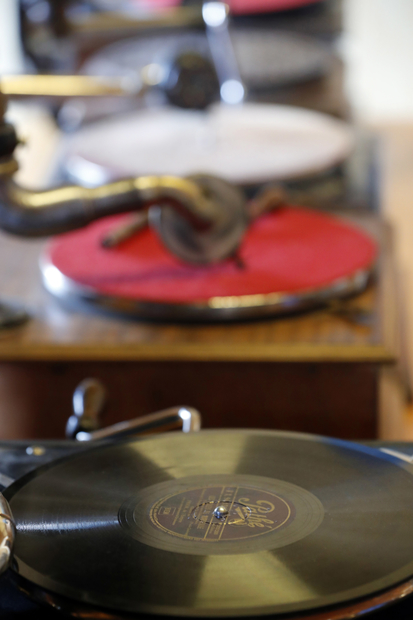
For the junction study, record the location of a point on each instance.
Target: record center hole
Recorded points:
(229, 512)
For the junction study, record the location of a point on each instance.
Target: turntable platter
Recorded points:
(251, 144)
(220, 523)
(236, 6)
(292, 258)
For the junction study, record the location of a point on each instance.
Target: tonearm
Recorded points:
(201, 218)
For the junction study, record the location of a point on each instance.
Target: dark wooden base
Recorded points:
(337, 399)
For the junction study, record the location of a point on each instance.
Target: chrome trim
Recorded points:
(214, 309)
(88, 402)
(215, 16)
(38, 85)
(5, 480)
(186, 418)
(400, 455)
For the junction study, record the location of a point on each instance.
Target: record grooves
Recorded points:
(218, 523)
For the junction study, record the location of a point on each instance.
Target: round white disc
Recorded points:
(248, 144)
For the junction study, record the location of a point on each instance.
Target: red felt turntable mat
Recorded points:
(236, 6)
(290, 250)
(266, 6)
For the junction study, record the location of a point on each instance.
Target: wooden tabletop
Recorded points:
(58, 334)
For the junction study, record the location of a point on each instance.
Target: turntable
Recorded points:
(246, 363)
(242, 360)
(230, 523)
(298, 60)
(287, 260)
(273, 65)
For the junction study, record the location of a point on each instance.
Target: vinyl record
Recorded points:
(250, 144)
(220, 523)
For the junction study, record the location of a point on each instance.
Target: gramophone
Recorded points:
(202, 221)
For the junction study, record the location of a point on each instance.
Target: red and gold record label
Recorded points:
(221, 514)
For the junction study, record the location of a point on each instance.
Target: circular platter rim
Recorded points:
(219, 308)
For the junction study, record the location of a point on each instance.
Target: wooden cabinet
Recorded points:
(315, 372)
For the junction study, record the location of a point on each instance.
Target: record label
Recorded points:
(222, 516)
(222, 512)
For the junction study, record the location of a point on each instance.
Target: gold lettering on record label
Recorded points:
(221, 512)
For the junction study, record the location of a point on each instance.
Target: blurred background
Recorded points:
(312, 99)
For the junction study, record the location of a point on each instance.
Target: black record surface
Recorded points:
(306, 522)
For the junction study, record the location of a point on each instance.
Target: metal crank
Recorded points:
(88, 405)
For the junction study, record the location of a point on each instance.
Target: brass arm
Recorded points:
(201, 219)
(68, 86)
(39, 213)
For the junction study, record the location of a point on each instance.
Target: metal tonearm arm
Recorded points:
(188, 80)
(186, 419)
(38, 213)
(86, 422)
(37, 85)
(201, 219)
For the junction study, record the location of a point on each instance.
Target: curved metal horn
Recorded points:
(201, 219)
(40, 213)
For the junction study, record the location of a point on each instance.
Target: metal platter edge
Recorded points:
(228, 308)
